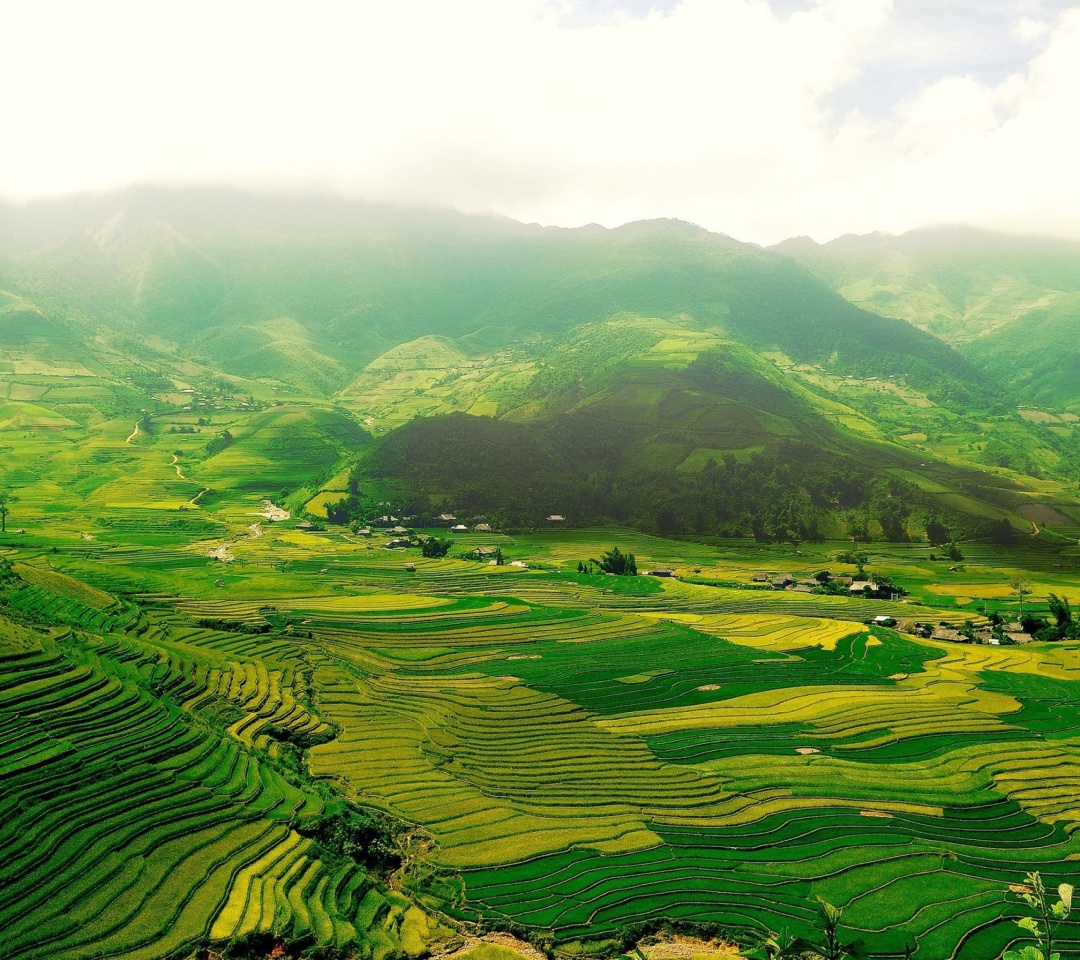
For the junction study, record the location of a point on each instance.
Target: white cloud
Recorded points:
(1030, 30)
(713, 110)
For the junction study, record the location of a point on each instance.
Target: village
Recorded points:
(412, 531)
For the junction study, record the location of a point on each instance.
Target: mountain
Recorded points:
(655, 372)
(1011, 305)
(219, 276)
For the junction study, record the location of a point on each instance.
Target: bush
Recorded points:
(356, 835)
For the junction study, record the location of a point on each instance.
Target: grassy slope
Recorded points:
(1011, 304)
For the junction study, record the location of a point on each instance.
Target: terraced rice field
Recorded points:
(142, 808)
(568, 753)
(729, 771)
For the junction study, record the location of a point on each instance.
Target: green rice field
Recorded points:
(190, 687)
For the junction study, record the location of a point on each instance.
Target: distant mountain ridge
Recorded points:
(1011, 305)
(361, 280)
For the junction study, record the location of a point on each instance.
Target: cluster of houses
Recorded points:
(449, 518)
(1005, 633)
(823, 579)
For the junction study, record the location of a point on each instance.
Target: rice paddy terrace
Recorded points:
(571, 754)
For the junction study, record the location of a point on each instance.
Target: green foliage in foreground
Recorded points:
(1048, 916)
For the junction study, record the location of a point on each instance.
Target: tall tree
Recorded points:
(1022, 586)
(6, 499)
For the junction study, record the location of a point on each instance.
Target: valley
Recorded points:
(234, 718)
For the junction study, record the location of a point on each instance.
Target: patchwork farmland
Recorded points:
(235, 722)
(557, 753)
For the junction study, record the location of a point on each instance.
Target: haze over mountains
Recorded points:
(655, 357)
(1008, 304)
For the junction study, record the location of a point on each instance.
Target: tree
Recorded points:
(435, 547)
(1022, 586)
(936, 532)
(831, 947)
(339, 511)
(6, 499)
(219, 443)
(857, 557)
(1048, 917)
(780, 946)
(619, 563)
(1067, 627)
(892, 516)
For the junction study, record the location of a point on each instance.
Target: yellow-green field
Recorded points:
(189, 686)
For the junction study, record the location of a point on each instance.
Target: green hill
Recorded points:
(278, 447)
(723, 444)
(1010, 304)
(593, 338)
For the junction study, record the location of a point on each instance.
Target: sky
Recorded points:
(762, 119)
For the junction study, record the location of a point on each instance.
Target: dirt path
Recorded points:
(527, 950)
(175, 463)
(274, 513)
(223, 553)
(134, 433)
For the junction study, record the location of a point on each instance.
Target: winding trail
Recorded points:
(134, 433)
(180, 473)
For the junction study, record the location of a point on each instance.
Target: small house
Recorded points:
(556, 518)
(761, 578)
(484, 552)
(364, 532)
(782, 582)
(305, 525)
(398, 530)
(459, 528)
(862, 586)
(482, 528)
(399, 542)
(884, 621)
(661, 572)
(446, 518)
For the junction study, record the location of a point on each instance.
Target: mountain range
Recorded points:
(656, 373)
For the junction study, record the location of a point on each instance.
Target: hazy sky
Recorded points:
(759, 118)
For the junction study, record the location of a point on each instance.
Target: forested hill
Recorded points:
(722, 446)
(308, 291)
